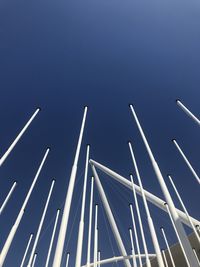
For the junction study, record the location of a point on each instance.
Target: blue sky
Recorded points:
(61, 55)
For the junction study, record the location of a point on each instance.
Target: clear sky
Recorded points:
(61, 55)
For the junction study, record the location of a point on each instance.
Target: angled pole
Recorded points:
(52, 239)
(26, 251)
(67, 260)
(196, 255)
(177, 235)
(90, 222)
(67, 206)
(164, 257)
(110, 217)
(182, 234)
(40, 225)
(95, 237)
(188, 112)
(136, 235)
(132, 248)
(7, 197)
(184, 208)
(149, 196)
(34, 260)
(15, 226)
(149, 218)
(81, 222)
(168, 248)
(186, 161)
(8, 151)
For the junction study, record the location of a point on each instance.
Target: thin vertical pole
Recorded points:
(40, 225)
(186, 244)
(188, 112)
(164, 257)
(168, 248)
(52, 238)
(149, 218)
(186, 161)
(184, 208)
(132, 248)
(67, 261)
(7, 197)
(177, 235)
(6, 154)
(136, 235)
(20, 214)
(34, 260)
(99, 258)
(26, 251)
(64, 222)
(95, 236)
(81, 223)
(110, 217)
(196, 255)
(90, 223)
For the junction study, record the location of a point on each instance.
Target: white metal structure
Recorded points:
(90, 222)
(168, 248)
(188, 112)
(26, 251)
(7, 197)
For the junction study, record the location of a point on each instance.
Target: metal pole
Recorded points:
(149, 218)
(95, 237)
(26, 251)
(99, 258)
(40, 225)
(196, 255)
(184, 208)
(168, 248)
(81, 223)
(64, 222)
(149, 196)
(186, 161)
(20, 214)
(164, 257)
(6, 154)
(90, 222)
(140, 224)
(132, 248)
(177, 235)
(187, 111)
(136, 235)
(34, 260)
(52, 238)
(186, 244)
(7, 197)
(110, 217)
(67, 261)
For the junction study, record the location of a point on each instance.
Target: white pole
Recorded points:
(177, 235)
(187, 111)
(81, 223)
(40, 225)
(186, 161)
(140, 224)
(52, 238)
(186, 244)
(99, 258)
(7, 197)
(149, 218)
(149, 196)
(132, 248)
(168, 248)
(198, 228)
(110, 217)
(95, 236)
(26, 251)
(196, 255)
(64, 222)
(20, 215)
(67, 261)
(184, 208)
(34, 260)
(90, 222)
(6, 154)
(164, 257)
(136, 235)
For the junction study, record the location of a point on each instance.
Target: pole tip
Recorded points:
(130, 105)
(173, 140)
(130, 204)
(177, 100)
(85, 107)
(130, 174)
(39, 108)
(165, 203)
(88, 145)
(161, 228)
(15, 182)
(129, 142)
(129, 229)
(48, 148)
